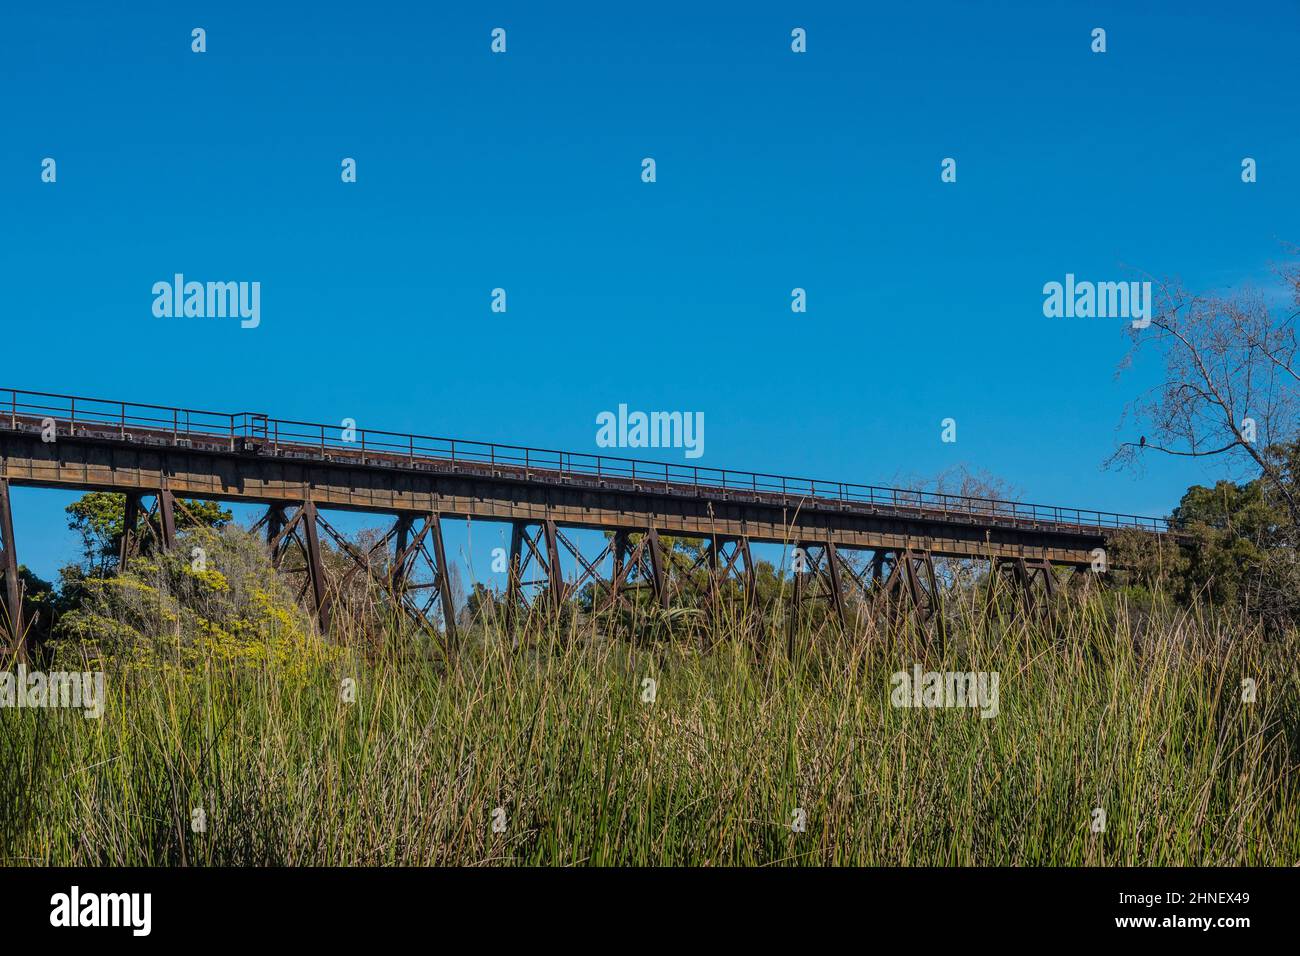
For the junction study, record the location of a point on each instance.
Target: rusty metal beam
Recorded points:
(86, 464)
(796, 596)
(286, 533)
(9, 571)
(1033, 582)
(254, 436)
(401, 532)
(434, 525)
(833, 580)
(751, 577)
(514, 585)
(554, 577)
(619, 549)
(130, 530)
(255, 466)
(166, 519)
(657, 569)
(315, 566)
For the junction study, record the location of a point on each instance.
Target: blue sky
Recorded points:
(522, 171)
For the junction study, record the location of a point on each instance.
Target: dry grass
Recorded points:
(1138, 714)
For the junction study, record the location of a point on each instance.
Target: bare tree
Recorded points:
(995, 496)
(1231, 383)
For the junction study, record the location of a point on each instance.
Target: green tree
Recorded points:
(1230, 527)
(99, 517)
(1236, 545)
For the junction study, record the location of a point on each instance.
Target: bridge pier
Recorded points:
(620, 549)
(1033, 583)
(130, 519)
(724, 566)
(540, 549)
(742, 552)
(427, 545)
(315, 567)
(401, 533)
(514, 575)
(410, 547)
(283, 532)
(275, 518)
(160, 521)
(543, 552)
(834, 582)
(913, 583)
(443, 576)
(9, 572)
(796, 598)
(658, 572)
(554, 576)
(166, 519)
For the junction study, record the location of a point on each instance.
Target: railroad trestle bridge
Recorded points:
(297, 469)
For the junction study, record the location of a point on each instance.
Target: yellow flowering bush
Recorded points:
(213, 599)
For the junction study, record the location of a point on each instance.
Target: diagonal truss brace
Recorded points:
(413, 548)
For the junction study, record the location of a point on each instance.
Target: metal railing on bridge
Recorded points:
(252, 432)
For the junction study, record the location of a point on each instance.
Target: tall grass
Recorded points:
(540, 747)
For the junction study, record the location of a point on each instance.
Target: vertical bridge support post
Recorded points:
(658, 570)
(1032, 581)
(315, 566)
(9, 572)
(514, 575)
(167, 519)
(130, 526)
(427, 551)
(835, 584)
(275, 519)
(554, 579)
(443, 574)
(159, 529)
(619, 550)
(751, 578)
